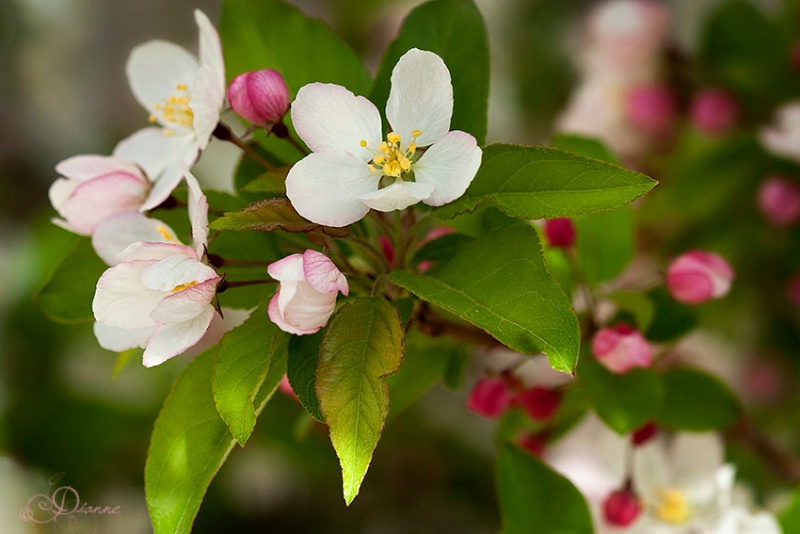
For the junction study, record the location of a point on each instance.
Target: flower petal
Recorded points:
(276, 317)
(151, 149)
(210, 45)
(115, 234)
(309, 309)
(170, 340)
(324, 187)
(208, 97)
(119, 339)
(186, 304)
(176, 271)
(287, 269)
(397, 196)
(198, 214)
(122, 300)
(421, 97)
(449, 165)
(155, 69)
(322, 274)
(154, 252)
(84, 167)
(329, 117)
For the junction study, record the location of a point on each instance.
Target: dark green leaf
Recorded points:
(500, 284)
(637, 305)
(363, 344)
(790, 516)
(671, 320)
(454, 30)
(302, 371)
(533, 182)
(67, 295)
(242, 363)
(605, 244)
(534, 498)
(696, 401)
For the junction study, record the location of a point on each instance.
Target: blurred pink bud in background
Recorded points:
(540, 403)
(698, 276)
(260, 96)
(621, 348)
(489, 397)
(714, 112)
(559, 232)
(621, 508)
(651, 108)
(779, 201)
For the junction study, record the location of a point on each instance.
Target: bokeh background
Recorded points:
(63, 92)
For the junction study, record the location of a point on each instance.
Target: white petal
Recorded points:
(115, 234)
(309, 309)
(166, 182)
(276, 317)
(175, 271)
(696, 458)
(155, 69)
(119, 339)
(186, 304)
(122, 300)
(329, 117)
(208, 97)
(449, 165)
(322, 274)
(198, 214)
(89, 166)
(421, 97)
(171, 340)
(210, 46)
(152, 150)
(287, 269)
(154, 252)
(59, 193)
(397, 196)
(323, 188)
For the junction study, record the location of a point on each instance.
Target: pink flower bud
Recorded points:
(490, 397)
(559, 232)
(387, 248)
(651, 109)
(259, 96)
(532, 442)
(714, 112)
(643, 434)
(779, 201)
(698, 276)
(539, 402)
(309, 283)
(621, 348)
(621, 508)
(286, 387)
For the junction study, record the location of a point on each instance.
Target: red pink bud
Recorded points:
(779, 201)
(651, 109)
(539, 402)
(698, 276)
(559, 232)
(621, 348)
(490, 397)
(259, 96)
(621, 508)
(714, 112)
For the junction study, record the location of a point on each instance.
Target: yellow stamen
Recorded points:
(363, 143)
(415, 133)
(161, 229)
(182, 87)
(174, 110)
(181, 287)
(673, 506)
(393, 138)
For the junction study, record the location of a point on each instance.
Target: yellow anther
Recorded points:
(673, 506)
(405, 164)
(165, 233)
(181, 287)
(169, 133)
(379, 159)
(412, 148)
(151, 119)
(363, 143)
(393, 138)
(415, 133)
(182, 87)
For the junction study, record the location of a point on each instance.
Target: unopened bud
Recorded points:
(621, 348)
(539, 402)
(779, 201)
(490, 397)
(698, 276)
(643, 434)
(532, 442)
(714, 112)
(559, 232)
(259, 96)
(651, 109)
(621, 508)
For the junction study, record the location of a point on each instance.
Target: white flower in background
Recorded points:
(184, 96)
(306, 298)
(352, 168)
(782, 137)
(159, 295)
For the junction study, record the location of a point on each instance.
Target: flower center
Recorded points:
(174, 110)
(391, 159)
(672, 506)
(181, 287)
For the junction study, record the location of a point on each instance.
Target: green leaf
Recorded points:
(499, 283)
(789, 518)
(584, 146)
(242, 363)
(363, 343)
(534, 498)
(624, 401)
(533, 182)
(269, 34)
(302, 371)
(454, 30)
(696, 401)
(638, 305)
(66, 296)
(190, 442)
(605, 243)
(265, 216)
(671, 319)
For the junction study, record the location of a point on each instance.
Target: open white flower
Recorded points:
(782, 137)
(159, 294)
(184, 96)
(353, 168)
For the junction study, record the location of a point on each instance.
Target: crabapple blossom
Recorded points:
(260, 96)
(621, 348)
(698, 276)
(309, 284)
(184, 96)
(779, 200)
(353, 169)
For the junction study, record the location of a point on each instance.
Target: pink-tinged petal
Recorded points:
(289, 268)
(120, 339)
(324, 187)
(185, 304)
(620, 349)
(397, 196)
(198, 214)
(84, 167)
(176, 271)
(155, 71)
(421, 97)
(309, 309)
(276, 317)
(329, 117)
(170, 340)
(322, 274)
(115, 234)
(122, 300)
(152, 150)
(208, 97)
(260, 97)
(154, 252)
(210, 46)
(59, 194)
(449, 165)
(697, 276)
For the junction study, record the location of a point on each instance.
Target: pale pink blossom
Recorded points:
(309, 284)
(698, 276)
(353, 168)
(260, 96)
(782, 137)
(184, 96)
(779, 200)
(714, 112)
(621, 348)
